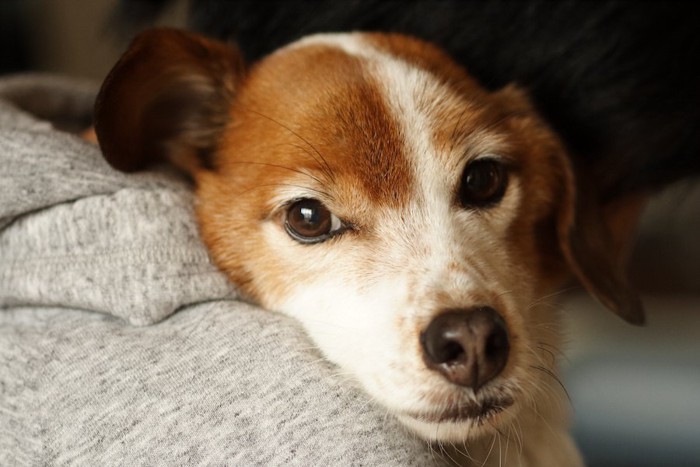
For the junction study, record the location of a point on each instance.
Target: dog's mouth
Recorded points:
(469, 411)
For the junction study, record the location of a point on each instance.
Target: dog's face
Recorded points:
(368, 196)
(367, 186)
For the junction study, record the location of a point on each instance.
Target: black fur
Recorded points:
(618, 80)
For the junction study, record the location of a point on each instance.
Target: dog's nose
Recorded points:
(469, 347)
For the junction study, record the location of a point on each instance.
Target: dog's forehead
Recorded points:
(372, 107)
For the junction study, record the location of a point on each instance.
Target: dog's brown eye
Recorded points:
(309, 221)
(483, 183)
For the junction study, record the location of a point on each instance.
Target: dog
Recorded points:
(417, 224)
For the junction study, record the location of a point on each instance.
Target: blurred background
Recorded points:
(635, 392)
(80, 38)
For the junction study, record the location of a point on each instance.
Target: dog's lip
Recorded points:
(467, 411)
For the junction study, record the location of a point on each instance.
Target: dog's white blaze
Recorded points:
(351, 43)
(452, 234)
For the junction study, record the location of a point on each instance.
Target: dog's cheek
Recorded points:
(552, 270)
(360, 328)
(229, 227)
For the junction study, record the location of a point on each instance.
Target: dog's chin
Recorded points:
(458, 424)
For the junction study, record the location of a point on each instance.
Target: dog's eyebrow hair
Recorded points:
(504, 117)
(279, 166)
(321, 194)
(461, 134)
(454, 140)
(321, 161)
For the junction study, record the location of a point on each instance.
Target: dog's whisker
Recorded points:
(519, 433)
(502, 450)
(490, 451)
(547, 424)
(548, 395)
(269, 185)
(466, 450)
(537, 356)
(555, 294)
(432, 451)
(446, 453)
(346, 376)
(505, 116)
(550, 326)
(323, 163)
(552, 349)
(556, 353)
(551, 354)
(533, 402)
(513, 434)
(503, 454)
(325, 168)
(458, 450)
(554, 377)
(503, 293)
(283, 167)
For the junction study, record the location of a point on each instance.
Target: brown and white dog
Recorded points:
(417, 225)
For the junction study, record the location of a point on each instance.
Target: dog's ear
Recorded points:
(594, 250)
(593, 239)
(168, 97)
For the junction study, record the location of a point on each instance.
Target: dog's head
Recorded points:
(364, 184)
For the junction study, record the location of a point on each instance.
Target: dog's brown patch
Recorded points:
(324, 126)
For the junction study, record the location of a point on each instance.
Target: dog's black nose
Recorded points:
(468, 346)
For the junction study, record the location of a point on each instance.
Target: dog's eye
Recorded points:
(483, 183)
(309, 221)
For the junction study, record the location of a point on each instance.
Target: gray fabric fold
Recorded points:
(77, 234)
(204, 379)
(216, 384)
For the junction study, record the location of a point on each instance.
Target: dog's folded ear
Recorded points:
(168, 97)
(592, 252)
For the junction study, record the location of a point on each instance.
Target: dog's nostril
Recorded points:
(444, 350)
(497, 343)
(469, 347)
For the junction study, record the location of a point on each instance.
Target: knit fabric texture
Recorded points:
(122, 344)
